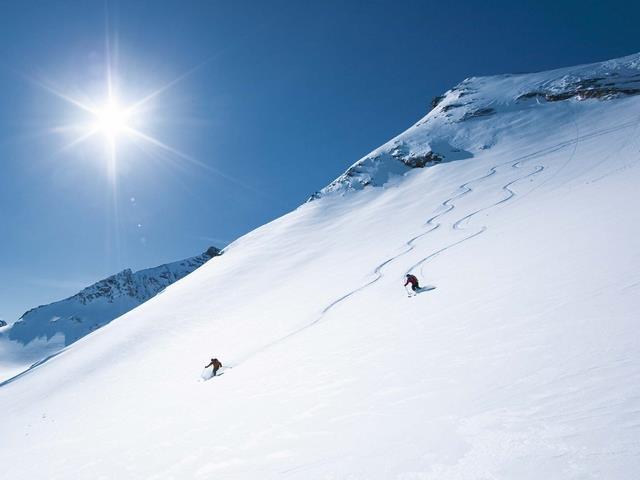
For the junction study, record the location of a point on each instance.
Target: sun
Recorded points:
(118, 119)
(111, 120)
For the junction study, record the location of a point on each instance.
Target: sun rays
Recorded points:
(105, 121)
(109, 118)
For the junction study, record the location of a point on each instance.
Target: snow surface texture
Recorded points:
(43, 331)
(521, 364)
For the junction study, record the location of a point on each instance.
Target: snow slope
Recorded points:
(521, 364)
(44, 330)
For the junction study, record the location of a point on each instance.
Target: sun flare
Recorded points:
(116, 123)
(111, 120)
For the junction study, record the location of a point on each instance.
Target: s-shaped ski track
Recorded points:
(462, 190)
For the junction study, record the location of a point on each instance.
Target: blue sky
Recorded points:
(280, 98)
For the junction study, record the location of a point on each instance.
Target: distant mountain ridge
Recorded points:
(102, 302)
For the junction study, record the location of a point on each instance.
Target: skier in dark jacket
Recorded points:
(215, 363)
(411, 279)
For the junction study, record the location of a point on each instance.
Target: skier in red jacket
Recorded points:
(411, 279)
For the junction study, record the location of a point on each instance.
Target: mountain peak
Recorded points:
(454, 128)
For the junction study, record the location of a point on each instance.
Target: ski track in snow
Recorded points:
(633, 136)
(463, 190)
(378, 269)
(569, 159)
(457, 225)
(510, 193)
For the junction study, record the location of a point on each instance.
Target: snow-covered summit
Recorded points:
(454, 130)
(98, 304)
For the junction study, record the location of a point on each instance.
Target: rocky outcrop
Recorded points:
(602, 88)
(414, 159)
(436, 100)
(479, 112)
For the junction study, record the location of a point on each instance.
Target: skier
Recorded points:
(215, 363)
(411, 279)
